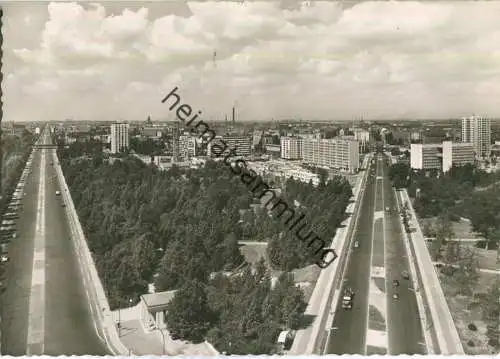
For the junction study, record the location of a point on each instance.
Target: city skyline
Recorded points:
(376, 60)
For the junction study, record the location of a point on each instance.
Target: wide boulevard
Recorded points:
(377, 323)
(45, 308)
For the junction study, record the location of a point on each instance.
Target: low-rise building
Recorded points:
(153, 309)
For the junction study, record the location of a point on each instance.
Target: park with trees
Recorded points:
(179, 228)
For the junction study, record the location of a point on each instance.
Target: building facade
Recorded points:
(187, 146)
(440, 156)
(362, 136)
(119, 137)
(242, 144)
(425, 156)
(477, 130)
(341, 154)
(291, 148)
(457, 154)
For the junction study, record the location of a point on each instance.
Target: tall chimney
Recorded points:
(234, 115)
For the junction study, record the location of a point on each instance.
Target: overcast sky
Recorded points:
(320, 61)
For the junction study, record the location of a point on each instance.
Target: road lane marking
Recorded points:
(359, 199)
(36, 317)
(387, 284)
(369, 276)
(376, 297)
(377, 338)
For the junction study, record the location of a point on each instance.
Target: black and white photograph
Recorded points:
(215, 178)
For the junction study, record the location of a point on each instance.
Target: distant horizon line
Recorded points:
(262, 121)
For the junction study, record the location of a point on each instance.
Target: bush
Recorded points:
(448, 271)
(472, 327)
(493, 343)
(471, 343)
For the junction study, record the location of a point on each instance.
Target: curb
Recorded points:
(326, 280)
(444, 326)
(414, 278)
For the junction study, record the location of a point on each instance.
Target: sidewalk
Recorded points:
(140, 342)
(307, 341)
(484, 270)
(444, 326)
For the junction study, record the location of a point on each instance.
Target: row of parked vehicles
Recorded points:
(8, 231)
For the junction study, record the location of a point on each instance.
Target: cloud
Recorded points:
(325, 60)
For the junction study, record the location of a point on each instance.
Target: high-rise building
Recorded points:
(477, 130)
(119, 137)
(291, 148)
(175, 143)
(440, 156)
(336, 153)
(187, 146)
(362, 136)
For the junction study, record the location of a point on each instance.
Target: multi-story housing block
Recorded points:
(291, 148)
(119, 137)
(339, 153)
(477, 130)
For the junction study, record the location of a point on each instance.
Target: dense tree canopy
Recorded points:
(250, 312)
(464, 191)
(183, 224)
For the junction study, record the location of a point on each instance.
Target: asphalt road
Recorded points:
(405, 329)
(348, 335)
(68, 324)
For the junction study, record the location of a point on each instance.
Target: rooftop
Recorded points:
(157, 302)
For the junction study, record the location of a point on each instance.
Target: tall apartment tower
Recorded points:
(119, 137)
(176, 133)
(477, 130)
(291, 147)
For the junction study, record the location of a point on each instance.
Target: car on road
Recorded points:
(356, 244)
(395, 296)
(395, 283)
(58, 193)
(347, 298)
(4, 258)
(406, 275)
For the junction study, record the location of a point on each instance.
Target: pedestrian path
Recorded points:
(141, 342)
(484, 270)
